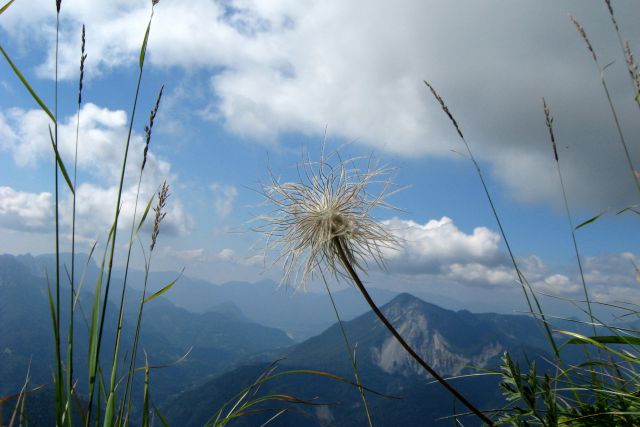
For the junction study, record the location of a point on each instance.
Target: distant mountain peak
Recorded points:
(425, 327)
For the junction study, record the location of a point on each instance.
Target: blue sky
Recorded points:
(254, 85)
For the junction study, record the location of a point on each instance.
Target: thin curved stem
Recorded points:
(351, 353)
(356, 279)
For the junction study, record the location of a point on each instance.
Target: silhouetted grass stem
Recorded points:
(344, 258)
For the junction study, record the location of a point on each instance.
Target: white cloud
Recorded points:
(25, 211)
(556, 284)
(426, 248)
(224, 196)
(226, 254)
(102, 137)
(189, 254)
(288, 66)
(479, 274)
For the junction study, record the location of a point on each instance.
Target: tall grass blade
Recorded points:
(145, 400)
(350, 353)
(143, 48)
(27, 85)
(144, 215)
(61, 163)
(582, 339)
(526, 287)
(94, 326)
(590, 220)
(609, 339)
(164, 289)
(162, 419)
(117, 211)
(56, 334)
(6, 6)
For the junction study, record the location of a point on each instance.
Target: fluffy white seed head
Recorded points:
(331, 203)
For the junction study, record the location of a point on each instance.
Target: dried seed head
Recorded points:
(444, 108)
(632, 66)
(163, 195)
(583, 33)
(149, 127)
(549, 121)
(83, 56)
(332, 203)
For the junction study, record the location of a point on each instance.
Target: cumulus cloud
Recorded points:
(102, 134)
(280, 67)
(25, 211)
(224, 196)
(439, 252)
(426, 248)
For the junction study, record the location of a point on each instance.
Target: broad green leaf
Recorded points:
(611, 339)
(27, 85)
(60, 163)
(6, 6)
(590, 220)
(165, 289)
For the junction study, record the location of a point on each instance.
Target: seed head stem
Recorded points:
(344, 258)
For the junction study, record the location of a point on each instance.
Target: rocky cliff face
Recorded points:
(413, 323)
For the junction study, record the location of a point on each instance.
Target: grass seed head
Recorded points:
(163, 195)
(331, 203)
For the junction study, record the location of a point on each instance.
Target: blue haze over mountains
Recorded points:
(229, 333)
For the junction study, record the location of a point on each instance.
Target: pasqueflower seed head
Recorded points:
(331, 204)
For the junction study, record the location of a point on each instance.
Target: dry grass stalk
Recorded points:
(163, 195)
(583, 33)
(149, 127)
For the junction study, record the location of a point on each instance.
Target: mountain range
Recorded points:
(228, 348)
(455, 343)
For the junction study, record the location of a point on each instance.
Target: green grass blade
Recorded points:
(109, 410)
(94, 328)
(588, 340)
(590, 220)
(144, 215)
(160, 417)
(143, 48)
(27, 85)
(165, 289)
(610, 339)
(6, 6)
(60, 163)
(145, 402)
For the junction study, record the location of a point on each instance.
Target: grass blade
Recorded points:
(143, 48)
(610, 339)
(27, 85)
(60, 163)
(590, 220)
(160, 417)
(145, 402)
(146, 212)
(6, 6)
(165, 289)
(582, 339)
